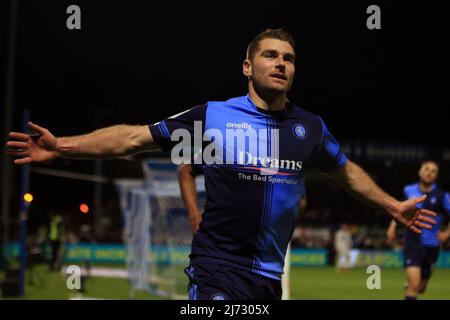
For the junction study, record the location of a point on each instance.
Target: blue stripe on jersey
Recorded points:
(266, 208)
(262, 227)
(160, 129)
(280, 225)
(333, 151)
(193, 292)
(164, 130)
(272, 125)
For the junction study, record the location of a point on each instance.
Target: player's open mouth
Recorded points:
(279, 76)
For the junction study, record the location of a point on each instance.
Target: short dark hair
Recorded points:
(279, 34)
(431, 161)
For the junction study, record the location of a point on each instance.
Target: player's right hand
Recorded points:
(40, 147)
(412, 217)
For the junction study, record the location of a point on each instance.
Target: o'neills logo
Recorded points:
(242, 125)
(246, 158)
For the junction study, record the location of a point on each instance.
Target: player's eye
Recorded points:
(270, 54)
(289, 58)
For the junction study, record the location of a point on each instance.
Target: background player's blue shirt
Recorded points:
(437, 201)
(249, 217)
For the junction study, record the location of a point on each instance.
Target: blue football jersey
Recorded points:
(255, 184)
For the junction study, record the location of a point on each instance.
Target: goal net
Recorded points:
(157, 232)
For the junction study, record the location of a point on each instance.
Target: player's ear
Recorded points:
(247, 68)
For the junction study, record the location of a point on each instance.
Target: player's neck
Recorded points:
(268, 102)
(425, 187)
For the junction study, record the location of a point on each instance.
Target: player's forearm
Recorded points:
(360, 184)
(191, 204)
(188, 190)
(392, 225)
(110, 142)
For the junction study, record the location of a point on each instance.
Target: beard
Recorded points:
(428, 181)
(268, 91)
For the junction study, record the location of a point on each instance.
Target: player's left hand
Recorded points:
(412, 217)
(443, 236)
(195, 218)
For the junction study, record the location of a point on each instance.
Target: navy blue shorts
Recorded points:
(218, 282)
(423, 257)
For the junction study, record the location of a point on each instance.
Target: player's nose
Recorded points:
(280, 62)
(280, 66)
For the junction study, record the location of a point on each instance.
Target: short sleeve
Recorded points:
(162, 131)
(330, 154)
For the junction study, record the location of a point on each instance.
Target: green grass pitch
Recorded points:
(324, 283)
(305, 283)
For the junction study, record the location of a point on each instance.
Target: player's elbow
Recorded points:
(133, 139)
(184, 170)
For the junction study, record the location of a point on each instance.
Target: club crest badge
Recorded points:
(299, 131)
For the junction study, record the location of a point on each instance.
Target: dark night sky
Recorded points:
(138, 61)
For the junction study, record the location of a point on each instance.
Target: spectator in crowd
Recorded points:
(343, 245)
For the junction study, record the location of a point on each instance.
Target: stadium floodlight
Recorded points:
(84, 208)
(28, 197)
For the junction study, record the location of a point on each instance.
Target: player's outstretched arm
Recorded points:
(111, 142)
(358, 182)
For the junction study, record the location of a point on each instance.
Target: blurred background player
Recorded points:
(87, 237)
(343, 244)
(421, 251)
(55, 238)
